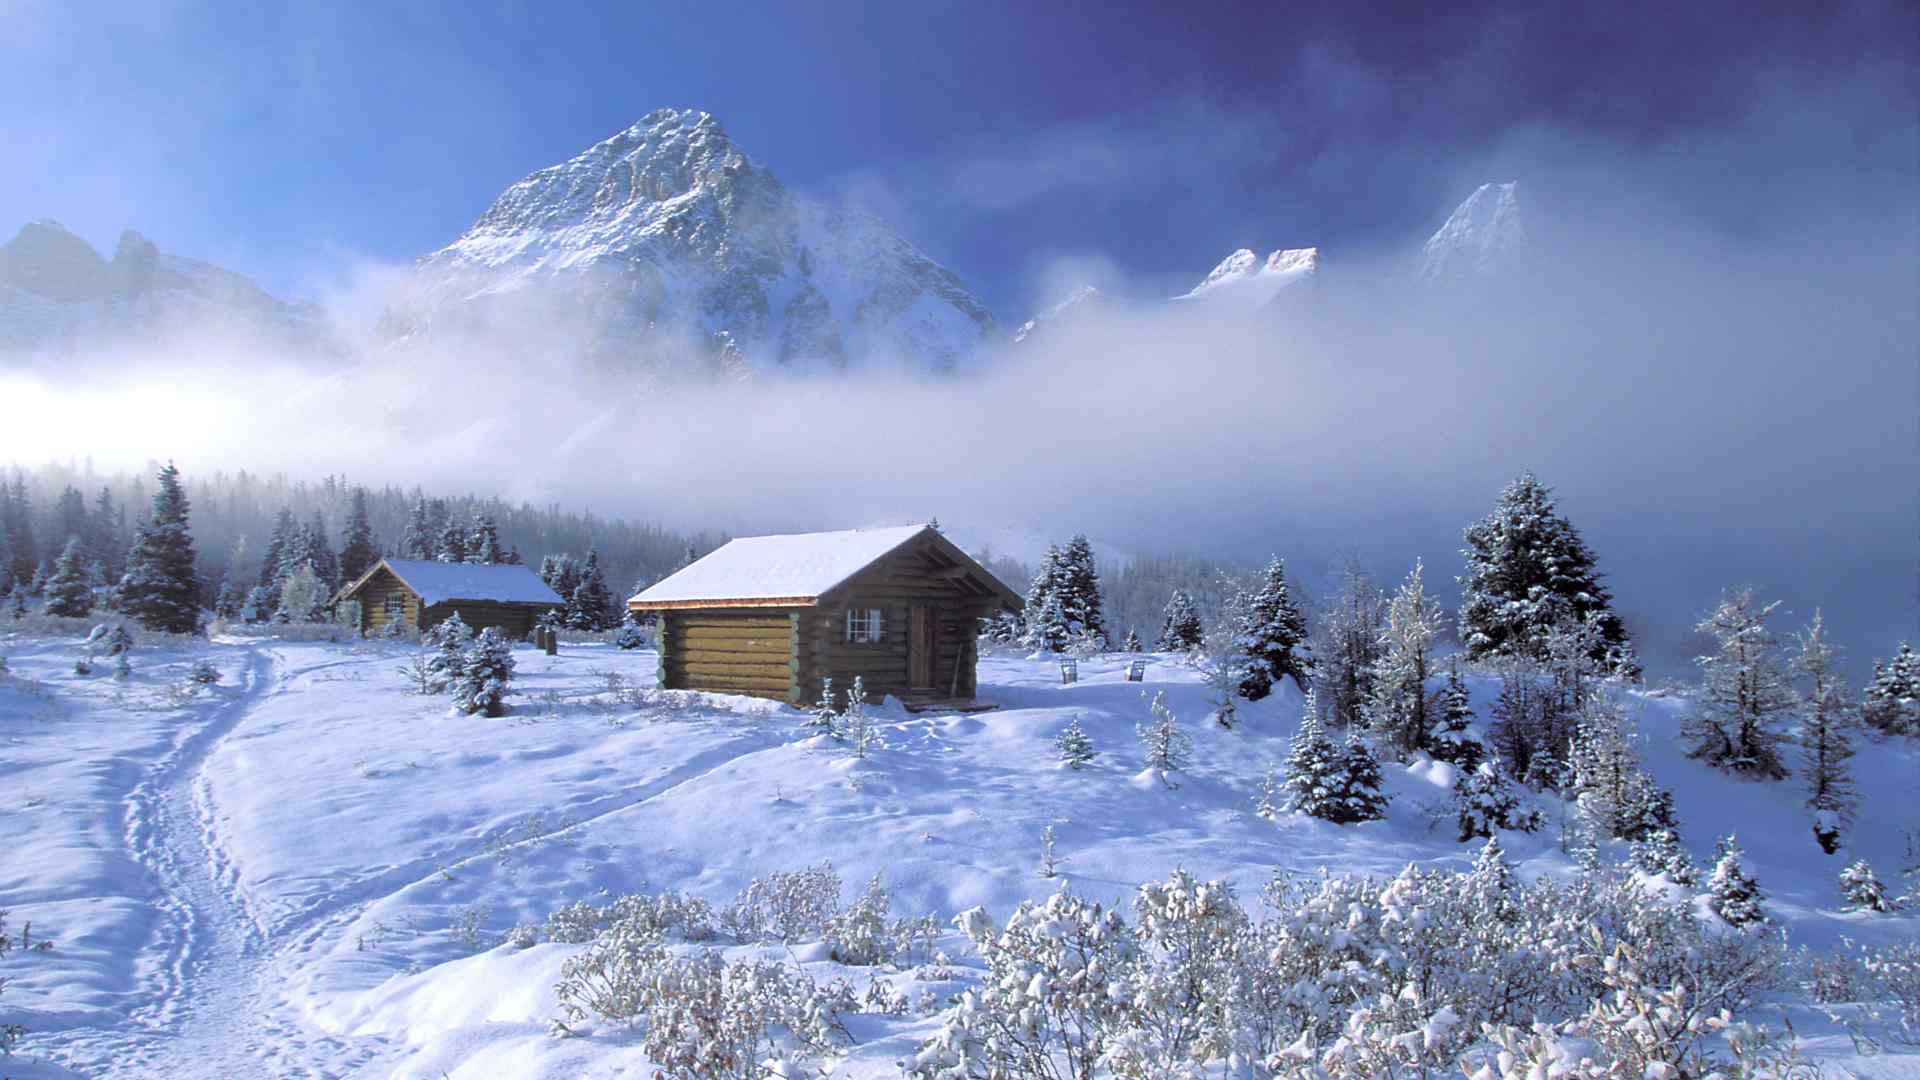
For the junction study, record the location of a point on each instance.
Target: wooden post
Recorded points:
(550, 641)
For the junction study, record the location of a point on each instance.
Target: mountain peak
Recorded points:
(1082, 298)
(1244, 278)
(1483, 237)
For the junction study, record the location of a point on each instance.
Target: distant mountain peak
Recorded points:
(1484, 237)
(1079, 300)
(668, 232)
(1245, 278)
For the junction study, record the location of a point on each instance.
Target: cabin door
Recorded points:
(921, 645)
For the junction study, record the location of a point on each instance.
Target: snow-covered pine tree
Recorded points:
(1745, 691)
(1661, 852)
(1347, 646)
(450, 639)
(420, 541)
(1132, 643)
(1862, 890)
(1891, 701)
(452, 544)
(1453, 738)
(1165, 747)
(231, 598)
(486, 671)
(1075, 746)
(1045, 612)
(483, 546)
(630, 635)
(1607, 784)
(106, 536)
(1362, 791)
(302, 597)
(590, 605)
(273, 564)
(1272, 637)
(16, 523)
(1315, 770)
(1181, 631)
(562, 575)
(1525, 563)
(1484, 803)
(1530, 721)
(1490, 870)
(1733, 894)
(326, 569)
(1825, 743)
(824, 717)
(159, 588)
(1397, 708)
(68, 594)
(1079, 589)
(358, 552)
(1271, 800)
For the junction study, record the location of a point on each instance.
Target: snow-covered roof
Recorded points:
(439, 582)
(791, 570)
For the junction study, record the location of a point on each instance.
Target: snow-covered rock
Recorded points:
(57, 292)
(1243, 278)
(669, 232)
(1484, 238)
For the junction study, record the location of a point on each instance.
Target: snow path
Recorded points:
(209, 979)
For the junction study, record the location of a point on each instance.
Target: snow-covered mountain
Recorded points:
(58, 293)
(1484, 238)
(1081, 301)
(669, 233)
(1243, 278)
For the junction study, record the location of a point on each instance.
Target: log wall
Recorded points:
(736, 651)
(373, 602)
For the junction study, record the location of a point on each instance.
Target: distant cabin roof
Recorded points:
(794, 570)
(439, 583)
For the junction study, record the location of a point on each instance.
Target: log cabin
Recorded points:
(773, 616)
(418, 593)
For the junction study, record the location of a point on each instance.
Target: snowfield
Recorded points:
(309, 870)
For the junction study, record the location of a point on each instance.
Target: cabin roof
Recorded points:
(439, 583)
(794, 570)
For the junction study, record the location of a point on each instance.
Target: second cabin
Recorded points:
(773, 616)
(419, 593)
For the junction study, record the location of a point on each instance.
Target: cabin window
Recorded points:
(396, 607)
(863, 625)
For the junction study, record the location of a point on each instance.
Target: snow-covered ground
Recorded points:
(307, 870)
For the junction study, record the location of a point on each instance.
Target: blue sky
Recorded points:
(290, 141)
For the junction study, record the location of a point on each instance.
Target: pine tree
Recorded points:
(159, 589)
(68, 594)
(1661, 852)
(452, 545)
(1166, 746)
(1484, 803)
(1271, 801)
(1397, 706)
(1181, 632)
(302, 597)
(1074, 746)
(1347, 647)
(23, 553)
(1453, 740)
(326, 568)
(1132, 643)
(1079, 590)
(1733, 894)
(589, 606)
(1272, 639)
(1362, 795)
(1525, 564)
(1862, 889)
(1745, 690)
(358, 554)
(1825, 746)
(1891, 702)
(107, 541)
(486, 671)
(1606, 781)
(450, 638)
(1045, 612)
(420, 542)
(1490, 870)
(273, 565)
(484, 545)
(1315, 770)
(69, 519)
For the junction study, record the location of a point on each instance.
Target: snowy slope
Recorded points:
(1245, 280)
(669, 228)
(57, 293)
(1484, 237)
(306, 870)
(1078, 304)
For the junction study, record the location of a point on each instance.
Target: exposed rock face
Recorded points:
(1484, 238)
(57, 293)
(668, 232)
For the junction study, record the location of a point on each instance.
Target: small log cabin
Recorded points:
(419, 593)
(772, 616)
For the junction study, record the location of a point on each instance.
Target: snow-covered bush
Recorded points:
(1075, 746)
(10, 1033)
(630, 635)
(486, 671)
(1862, 890)
(861, 935)
(105, 640)
(785, 905)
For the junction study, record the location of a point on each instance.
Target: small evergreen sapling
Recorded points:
(1661, 852)
(1862, 889)
(1271, 637)
(1132, 643)
(1892, 699)
(1271, 801)
(1362, 794)
(1490, 869)
(1453, 739)
(1075, 746)
(1181, 631)
(824, 717)
(1484, 803)
(630, 635)
(1166, 746)
(856, 723)
(485, 673)
(1733, 894)
(68, 593)
(450, 638)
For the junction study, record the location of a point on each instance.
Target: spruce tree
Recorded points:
(68, 594)
(1166, 747)
(302, 597)
(1733, 894)
(107, 541)
(1181, 631)
(1045, 610)
(358, 554)
(1315, 770)
(1661, 852)
(452, 545)
(1362, 790)
(1746, 691)
(1079, 590)
(23, 553)
(486, 671)
(1272, 638)
(1347, 647)
(1074, 746)
(1825, 745)
(159, 589)
(1490, 870)
(320, 557)
(1397, 706)
(590, 605)
(484, 545)
(1453, 738)
(1862, 889)
(1132, 643)
(1525, 565)
(420, 542)
(1891, 702)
